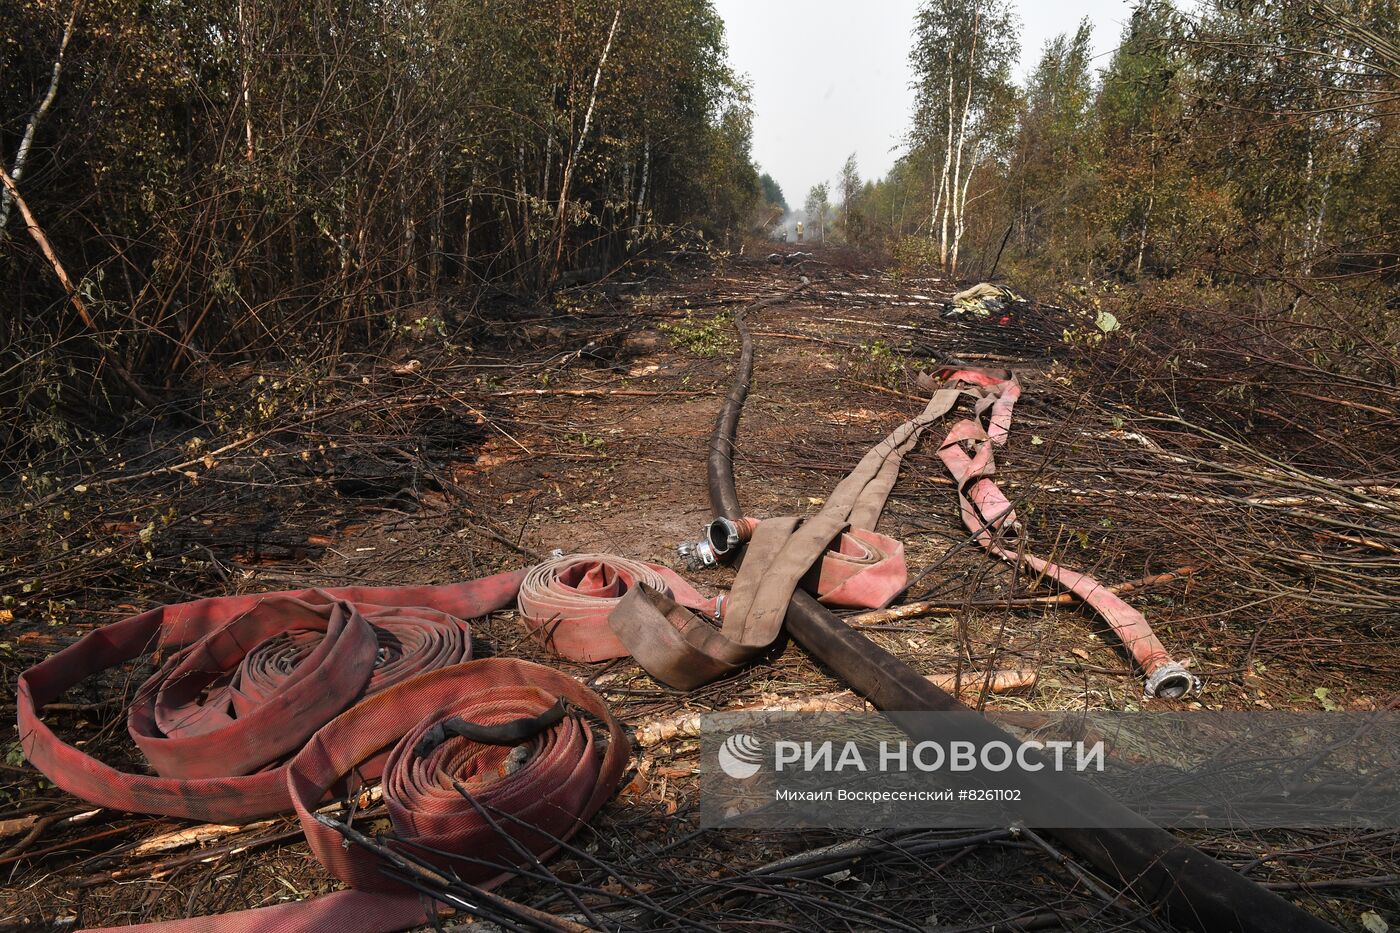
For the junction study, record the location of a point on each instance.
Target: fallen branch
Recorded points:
(816, 863)
(67, 844)
(209, 832)
(149, 870)
(1378, 881)
(894, 392)
(34, 826)
(916, 610)
(486, 905)
(803, 337)
(194, 835)
(585, 393)
(687, 725)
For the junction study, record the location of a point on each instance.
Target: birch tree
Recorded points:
(564, 187)
(1056, 147)
(962, 55)
(1140, 109)
(27, 141)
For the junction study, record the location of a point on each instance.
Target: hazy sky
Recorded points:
(832, 76)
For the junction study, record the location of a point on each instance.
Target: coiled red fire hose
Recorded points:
(565, 601)
(211, 752)
(337, 678)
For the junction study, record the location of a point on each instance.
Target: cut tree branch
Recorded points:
(74, 298)
(22, 154)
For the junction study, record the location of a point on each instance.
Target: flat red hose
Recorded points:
(565, 779)
(336, 679)
(986, 511)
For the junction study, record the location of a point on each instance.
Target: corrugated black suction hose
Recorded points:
(1195, 890)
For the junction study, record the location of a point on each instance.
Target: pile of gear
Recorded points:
(985, 300)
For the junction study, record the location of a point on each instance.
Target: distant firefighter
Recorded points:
(799, 231)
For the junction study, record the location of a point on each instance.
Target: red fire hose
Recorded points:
(565, 601)
(1195, 889)
(837, 553)
(570, 604)
(337, 678)
(967, 453)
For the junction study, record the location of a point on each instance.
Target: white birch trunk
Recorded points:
(642, 191)
(22, 154)
(1146, 217)
(246, 43)
(959, 226)
(942, 199)
(957, 187)
(582, 137)
(548, 165)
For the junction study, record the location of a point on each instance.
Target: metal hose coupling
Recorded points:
(719, 542)
(1171, 681)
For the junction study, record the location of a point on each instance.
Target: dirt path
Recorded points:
(591, 441)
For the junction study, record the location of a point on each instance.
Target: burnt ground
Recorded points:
(491, 428)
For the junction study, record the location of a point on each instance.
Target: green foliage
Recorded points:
(852, 217)
(915, 255)
(772, 192)
(771, 207)
(1056, 147)
(880, 363)
(704, 336)
(1225, 142)
(964, 105)
(245, 179)
(1097, 322)
(962, 45)
(816, 208)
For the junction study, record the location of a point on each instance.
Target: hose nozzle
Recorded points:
(718, 543)
(1171, 681)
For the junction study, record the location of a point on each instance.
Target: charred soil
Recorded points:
(1255, 480)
